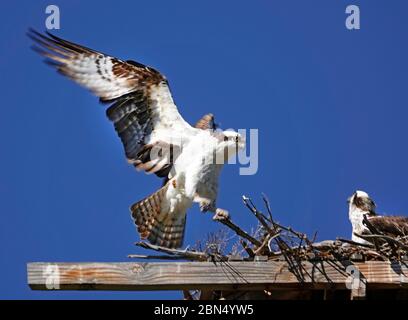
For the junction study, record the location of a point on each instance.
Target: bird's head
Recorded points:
(230, 142)
(360, 200)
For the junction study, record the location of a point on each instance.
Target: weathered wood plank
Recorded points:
(207, 275)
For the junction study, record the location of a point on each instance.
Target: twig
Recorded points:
(186, 254)
(162, 257)
(314, 237)
(268, 238)
(261, 217)
(248, 250)
(250, 205)
(376, 254)
(354, 243)
(386, 238)
(267, 205)
(228, 222)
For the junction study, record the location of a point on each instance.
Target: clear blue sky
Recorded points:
(330, 105)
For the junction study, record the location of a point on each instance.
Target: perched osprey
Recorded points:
(156, 138)
(360, 205)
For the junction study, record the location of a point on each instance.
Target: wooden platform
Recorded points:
(234, 275)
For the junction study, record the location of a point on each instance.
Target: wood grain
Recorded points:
(207, 275)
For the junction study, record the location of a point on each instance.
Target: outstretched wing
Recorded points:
(142, 109)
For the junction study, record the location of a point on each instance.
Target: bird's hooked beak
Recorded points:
(349, 199)
(240, 142)
(237, 144)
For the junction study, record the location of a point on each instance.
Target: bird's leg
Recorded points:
(206, 205)
(220, 214)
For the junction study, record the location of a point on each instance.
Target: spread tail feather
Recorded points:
(158, 226)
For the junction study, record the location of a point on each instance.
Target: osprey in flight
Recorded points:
(360, 206)
(155, 137)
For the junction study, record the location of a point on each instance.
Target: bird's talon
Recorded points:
(205, 206)
(221, 214)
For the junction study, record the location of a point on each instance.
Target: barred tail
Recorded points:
(156, 224)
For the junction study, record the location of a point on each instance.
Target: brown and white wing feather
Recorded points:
(142, 108)
(396, 226)
(106, 76)
(206, 122)
(155, 221)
